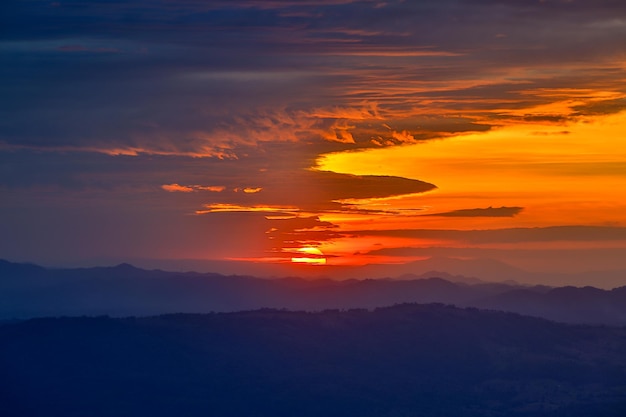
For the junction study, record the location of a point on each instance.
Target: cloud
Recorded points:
(311, 191)
(316, 191)
(195, 79)
(339, 132)
(300, 223)
(174, 188)
(234, 208)
(212, 188)
(481, 212)
(509, 235)
(602, 107)
(191, 188)
(299, 231)
(403, 137)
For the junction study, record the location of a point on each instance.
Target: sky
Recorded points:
(314, 135)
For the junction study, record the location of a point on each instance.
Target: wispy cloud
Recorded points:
(177, 188)
(329, 62)
(191, 188)
(481, 212)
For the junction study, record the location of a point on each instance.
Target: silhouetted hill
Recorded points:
(407, 360)
(567, 304)
(461, 279)
(31, 291)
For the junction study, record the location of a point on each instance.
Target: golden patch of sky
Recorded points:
(560, 174)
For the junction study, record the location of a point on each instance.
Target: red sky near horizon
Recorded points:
(329, 133)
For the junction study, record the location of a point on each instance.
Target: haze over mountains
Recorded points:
(31, 291)
(484, 268)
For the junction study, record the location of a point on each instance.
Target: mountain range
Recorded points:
(487, 269)
(28, 291)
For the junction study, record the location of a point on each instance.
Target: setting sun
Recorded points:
(312, 256)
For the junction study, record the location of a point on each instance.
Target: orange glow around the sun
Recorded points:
(311, 256)
(519, 175)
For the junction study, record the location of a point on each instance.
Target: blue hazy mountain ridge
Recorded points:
(485, 269)
(28, 291)
(406, 360)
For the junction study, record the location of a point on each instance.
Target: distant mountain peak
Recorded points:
(125, 266)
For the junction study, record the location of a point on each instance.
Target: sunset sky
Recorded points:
(314, 134)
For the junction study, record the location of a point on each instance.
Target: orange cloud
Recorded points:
(172, 188)
(403, 137)
(339, 133)
(224, 208)
(359, 111)
(212, 188)
(481, 212)
(177, 188)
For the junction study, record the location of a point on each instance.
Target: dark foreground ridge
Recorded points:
(28, 291)
(406, 360)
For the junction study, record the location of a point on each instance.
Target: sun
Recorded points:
(315, 256)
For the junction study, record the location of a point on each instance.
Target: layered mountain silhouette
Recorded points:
(487, 269)
(31, 291)
(406, 360)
